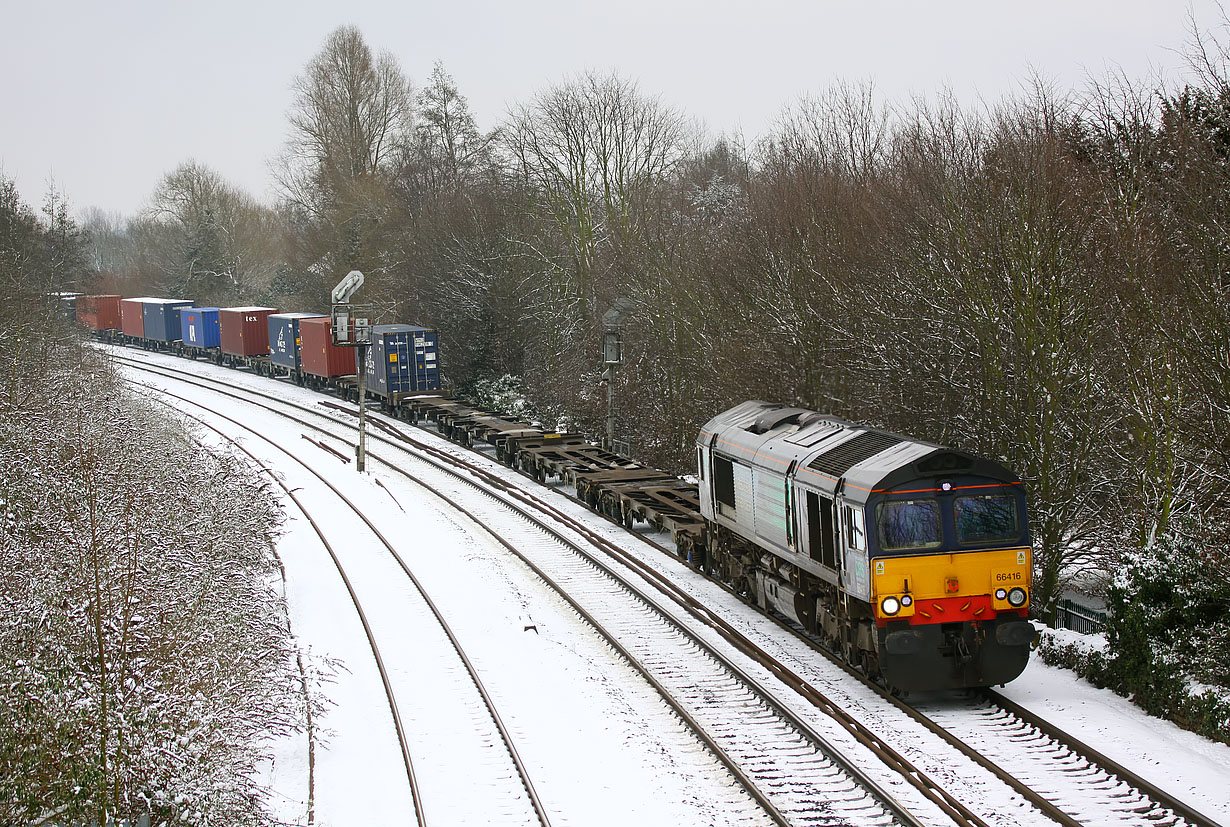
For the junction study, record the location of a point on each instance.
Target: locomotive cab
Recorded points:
(950, 573)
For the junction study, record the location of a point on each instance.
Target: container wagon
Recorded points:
(402, 360)
(200, 331)
(132, 317)
(245, 336)
(321, 358)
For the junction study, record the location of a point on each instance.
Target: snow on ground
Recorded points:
(646, 771)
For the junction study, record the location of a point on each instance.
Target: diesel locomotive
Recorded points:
(910, 559)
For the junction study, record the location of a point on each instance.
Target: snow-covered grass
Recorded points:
(145, 663)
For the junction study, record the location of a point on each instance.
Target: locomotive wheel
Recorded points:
(870, 664)
(847, 648)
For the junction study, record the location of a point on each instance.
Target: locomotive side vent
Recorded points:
(837, 461)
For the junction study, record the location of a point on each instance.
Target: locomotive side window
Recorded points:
(790, 541)
(909, 524)
(821, 531)
(986, 519)
(723, 481)
(700, 463)
(856, 530)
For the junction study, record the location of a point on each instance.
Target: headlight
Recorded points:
(1017, 597)
(1001, 594)
(890, 606)
(906, 600)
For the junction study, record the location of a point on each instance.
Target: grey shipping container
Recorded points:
(161, 318)
(284, 338)
(402, 359)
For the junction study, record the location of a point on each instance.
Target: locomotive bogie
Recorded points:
(955, 655)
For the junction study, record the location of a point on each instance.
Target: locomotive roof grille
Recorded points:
(837, 461)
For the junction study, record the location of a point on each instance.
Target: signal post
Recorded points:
(352, 327)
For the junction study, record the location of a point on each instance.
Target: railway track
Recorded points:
(1079, 785)
(1105, 792)
(1089, 785)
(425, 624)
(1082, 785)
(785, 765)
(1027, 752)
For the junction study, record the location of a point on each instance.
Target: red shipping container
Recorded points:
(99, 312)
(245, 330)
(132, 317)
(317, 353)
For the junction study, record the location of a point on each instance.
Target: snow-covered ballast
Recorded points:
(911, 559)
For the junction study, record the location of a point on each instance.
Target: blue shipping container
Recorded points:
(161, 317)
(199, 326)
(402, 359)
(284, 339)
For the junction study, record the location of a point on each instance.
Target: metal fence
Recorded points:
(1071, 615)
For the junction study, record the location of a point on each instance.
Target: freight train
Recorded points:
(402, 359)
(910, 560)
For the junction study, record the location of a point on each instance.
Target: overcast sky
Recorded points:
(107, 97)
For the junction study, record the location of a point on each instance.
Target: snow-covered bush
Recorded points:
(1168, 630)
(504, 395)
(1166, 636)
(145, 659)
(1083, 654)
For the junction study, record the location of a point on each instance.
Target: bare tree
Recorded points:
(351, 118)
(351, 111)
(590, 151)
(204, 239)
(449, 154)
(106, 241)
